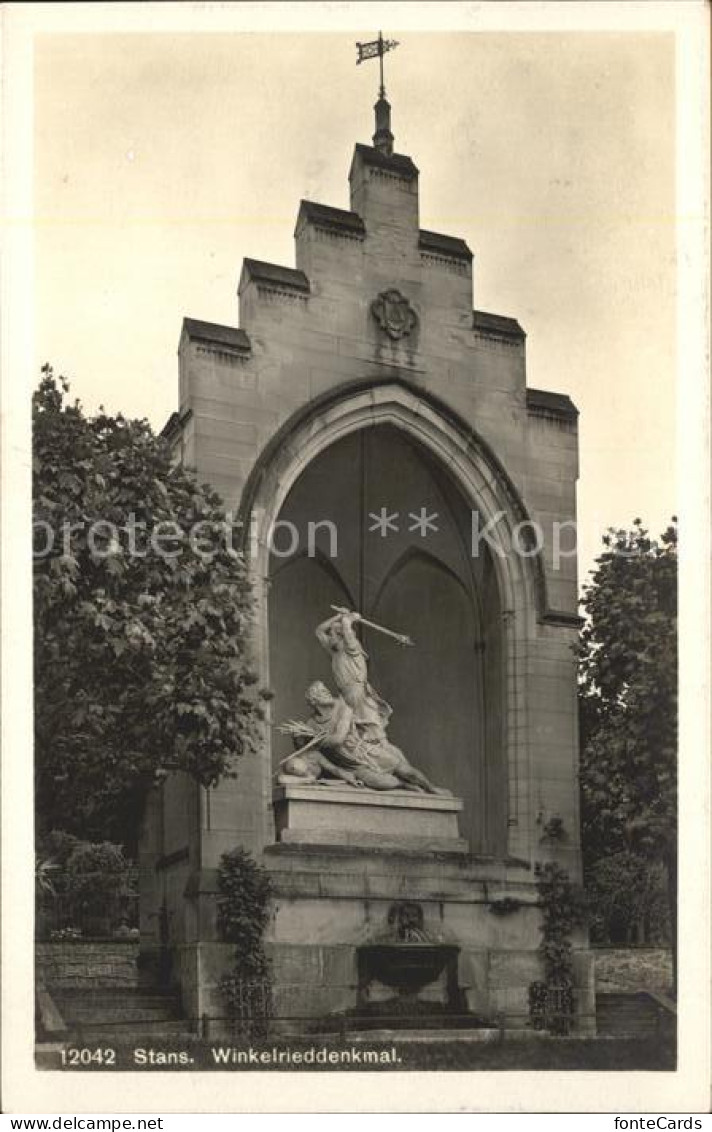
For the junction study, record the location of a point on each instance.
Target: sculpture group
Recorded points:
(345, 740)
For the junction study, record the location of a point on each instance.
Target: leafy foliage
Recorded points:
(628, 670)
(551, 1007)
(44, 885)
(628, 900)
(244, 892)
(243, 910)
(57, 846)
(140, 656)
(84, 888)
(96, 872)
(563, 908)
(628, 700)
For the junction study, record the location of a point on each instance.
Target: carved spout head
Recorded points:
(405, 920)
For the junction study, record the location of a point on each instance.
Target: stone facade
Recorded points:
(373, 334)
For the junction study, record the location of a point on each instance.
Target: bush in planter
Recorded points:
(97, 885)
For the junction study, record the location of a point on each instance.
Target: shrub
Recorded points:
(551, 1001)
(244, 892)
(84, 886)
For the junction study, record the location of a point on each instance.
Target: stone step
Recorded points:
(368, 1037)
(142, 1034)
(108, 1007)
(626, 1013)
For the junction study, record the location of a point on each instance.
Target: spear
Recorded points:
(296, 729)
(400, 637)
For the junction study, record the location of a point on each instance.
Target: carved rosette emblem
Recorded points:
(394, 314)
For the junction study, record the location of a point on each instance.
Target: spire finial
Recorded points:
(376, 48)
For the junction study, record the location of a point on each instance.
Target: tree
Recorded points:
(628, 673)
(142, 613)
(627, 899)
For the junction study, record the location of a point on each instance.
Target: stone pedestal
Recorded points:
(334, 815)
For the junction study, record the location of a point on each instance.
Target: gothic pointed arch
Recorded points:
(332, 413)
(304, 465)
(424, 555)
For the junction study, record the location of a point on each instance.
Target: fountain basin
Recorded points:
(407, 967)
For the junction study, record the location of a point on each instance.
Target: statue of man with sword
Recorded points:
(346, 736)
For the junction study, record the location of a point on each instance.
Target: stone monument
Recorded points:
(344, 743)
(378, 440)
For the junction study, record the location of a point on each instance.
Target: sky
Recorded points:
(162, 159)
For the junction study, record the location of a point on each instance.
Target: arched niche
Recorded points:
(415, 574)
(509, 590)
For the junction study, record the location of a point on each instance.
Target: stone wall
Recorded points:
(633, 968)
(111, 964)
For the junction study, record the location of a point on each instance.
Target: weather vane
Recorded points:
(376, 48)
